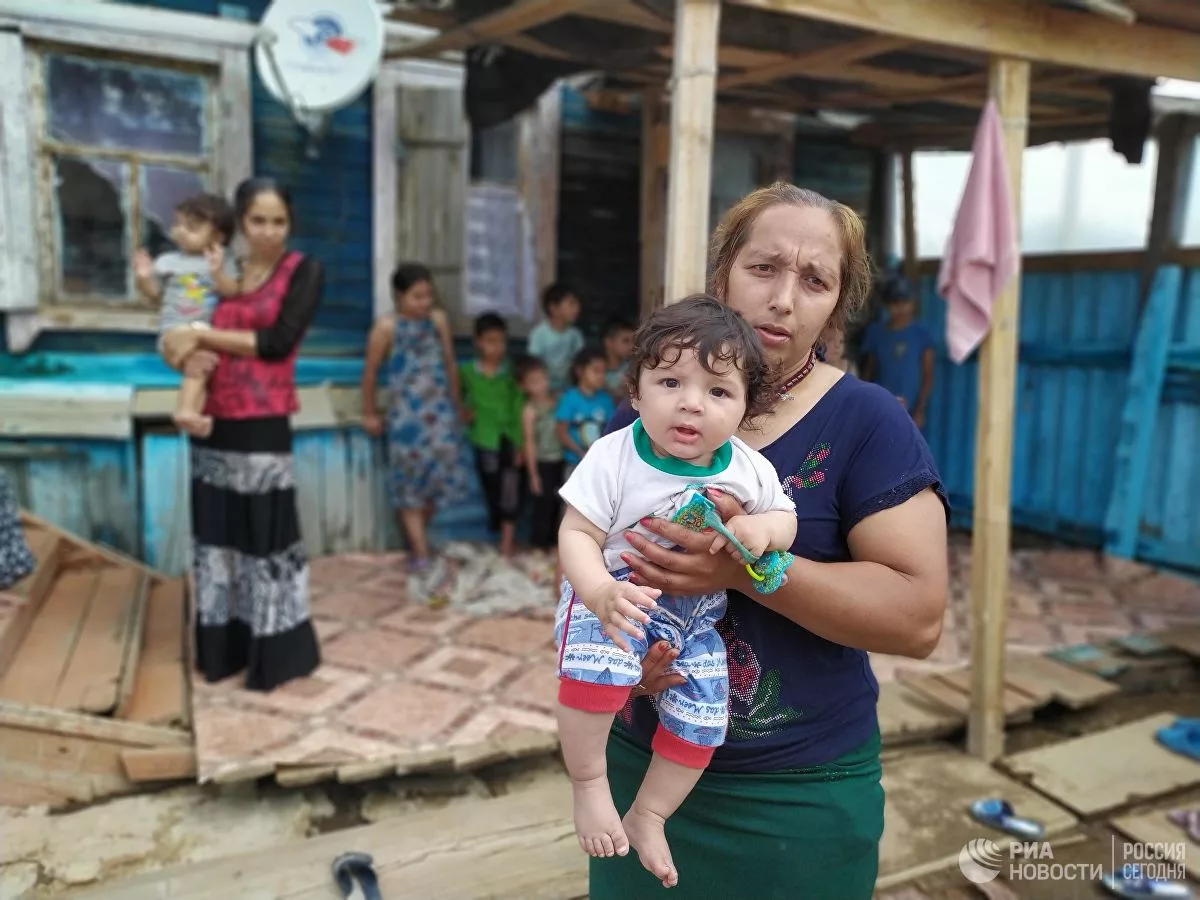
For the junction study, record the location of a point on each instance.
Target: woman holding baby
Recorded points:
(791, 806)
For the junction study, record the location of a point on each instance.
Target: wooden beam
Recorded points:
(908, 190)
(837, 55)
(508, 20)
(656, 152)
(1020, 29)
(689, 188)
(990, 532)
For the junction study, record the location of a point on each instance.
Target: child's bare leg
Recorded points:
(189, 409)
(584, 736)
(412, 522)
(508, 538)
(664, 788)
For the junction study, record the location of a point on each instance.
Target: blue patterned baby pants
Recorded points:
(596, 675)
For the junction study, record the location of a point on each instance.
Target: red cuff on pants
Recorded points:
(677, 750)
(597, 698)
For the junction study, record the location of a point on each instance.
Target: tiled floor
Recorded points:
(400, 676)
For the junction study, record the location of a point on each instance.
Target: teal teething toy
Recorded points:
(767, 571)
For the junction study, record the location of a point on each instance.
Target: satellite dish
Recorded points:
(314, 60)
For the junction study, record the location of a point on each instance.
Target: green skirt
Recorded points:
(798, 834)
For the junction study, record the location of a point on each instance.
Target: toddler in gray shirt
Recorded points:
(188, 282)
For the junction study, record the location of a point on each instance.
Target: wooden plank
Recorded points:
(656, 154)
(160, 687)
(1009, 87)
(519, 845)
(77, 410)
(37, 669)
(511, 19)
(1022, 29)
(1153, 828)
(926, 819)
(1068, 686)
(60, 768)
(1088, 658)
(807, 63)
(907, 717)
(106, 553)
(34, 587)
(93, 675)
(159, 764)
(1185, 639)
(952, 690)
(97, 728)
(689, 188)
(134, 638)
(1107, 769)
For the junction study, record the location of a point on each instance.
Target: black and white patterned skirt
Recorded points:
(15, 559)
(250, 566)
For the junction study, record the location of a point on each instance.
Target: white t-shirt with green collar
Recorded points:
(622, 480)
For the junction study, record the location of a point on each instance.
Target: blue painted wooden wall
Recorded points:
(1078, 330)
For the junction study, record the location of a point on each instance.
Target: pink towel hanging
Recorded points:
(981, 252)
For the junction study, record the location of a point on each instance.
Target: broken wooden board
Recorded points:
(1184, 639)
(926, 818)
(905, 716)
(519, 845)
(160, 686)
(953, 691)
(1108, 769)
(1071, 687)
(57, 758)
(1156, 830)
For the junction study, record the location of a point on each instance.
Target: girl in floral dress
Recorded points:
(428, 457)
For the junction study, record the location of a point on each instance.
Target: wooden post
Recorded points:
(694, 71)
(656, 139)
(908, 189)
(990, 537)
(538, 138)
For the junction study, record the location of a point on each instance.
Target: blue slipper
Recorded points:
(1182, 736)
(999, 814)
(1120, 886)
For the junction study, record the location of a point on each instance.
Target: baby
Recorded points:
(697, 373)
(189, 282)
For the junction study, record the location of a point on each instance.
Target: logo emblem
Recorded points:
(324, 31)
(979, 860)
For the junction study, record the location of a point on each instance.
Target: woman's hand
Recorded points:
(693, 572)
(655, 677)
(179, 344)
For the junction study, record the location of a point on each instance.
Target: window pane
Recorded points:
(90, 201)
(110, 104)
(161, 190)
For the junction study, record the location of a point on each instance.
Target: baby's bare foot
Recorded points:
(648, 837)
(597, 822)
(194, 424)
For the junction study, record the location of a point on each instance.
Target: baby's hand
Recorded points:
(143, 265)
(215, 256)
(753, 533)
(618, 602)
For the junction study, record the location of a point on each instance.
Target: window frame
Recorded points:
(154, 38)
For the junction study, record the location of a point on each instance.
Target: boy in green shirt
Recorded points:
(492, 403)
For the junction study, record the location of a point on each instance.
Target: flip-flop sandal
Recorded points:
(352, 870)
(1188, 820)
(999, 814)
(1182, 736)
(1134, 888)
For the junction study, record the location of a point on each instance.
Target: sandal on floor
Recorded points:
(1182, 736)
(355, 878)
(1188, 820)
(999, 814)
(1120, 886)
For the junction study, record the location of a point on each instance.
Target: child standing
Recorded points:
(188, 282)
(898, 353)
(543, 452)
(428, 458)
(492, 403)
(584, 409)
(697, 374)
(555, 340)
(618, 345)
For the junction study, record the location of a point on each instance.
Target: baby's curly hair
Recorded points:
(718, 335)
